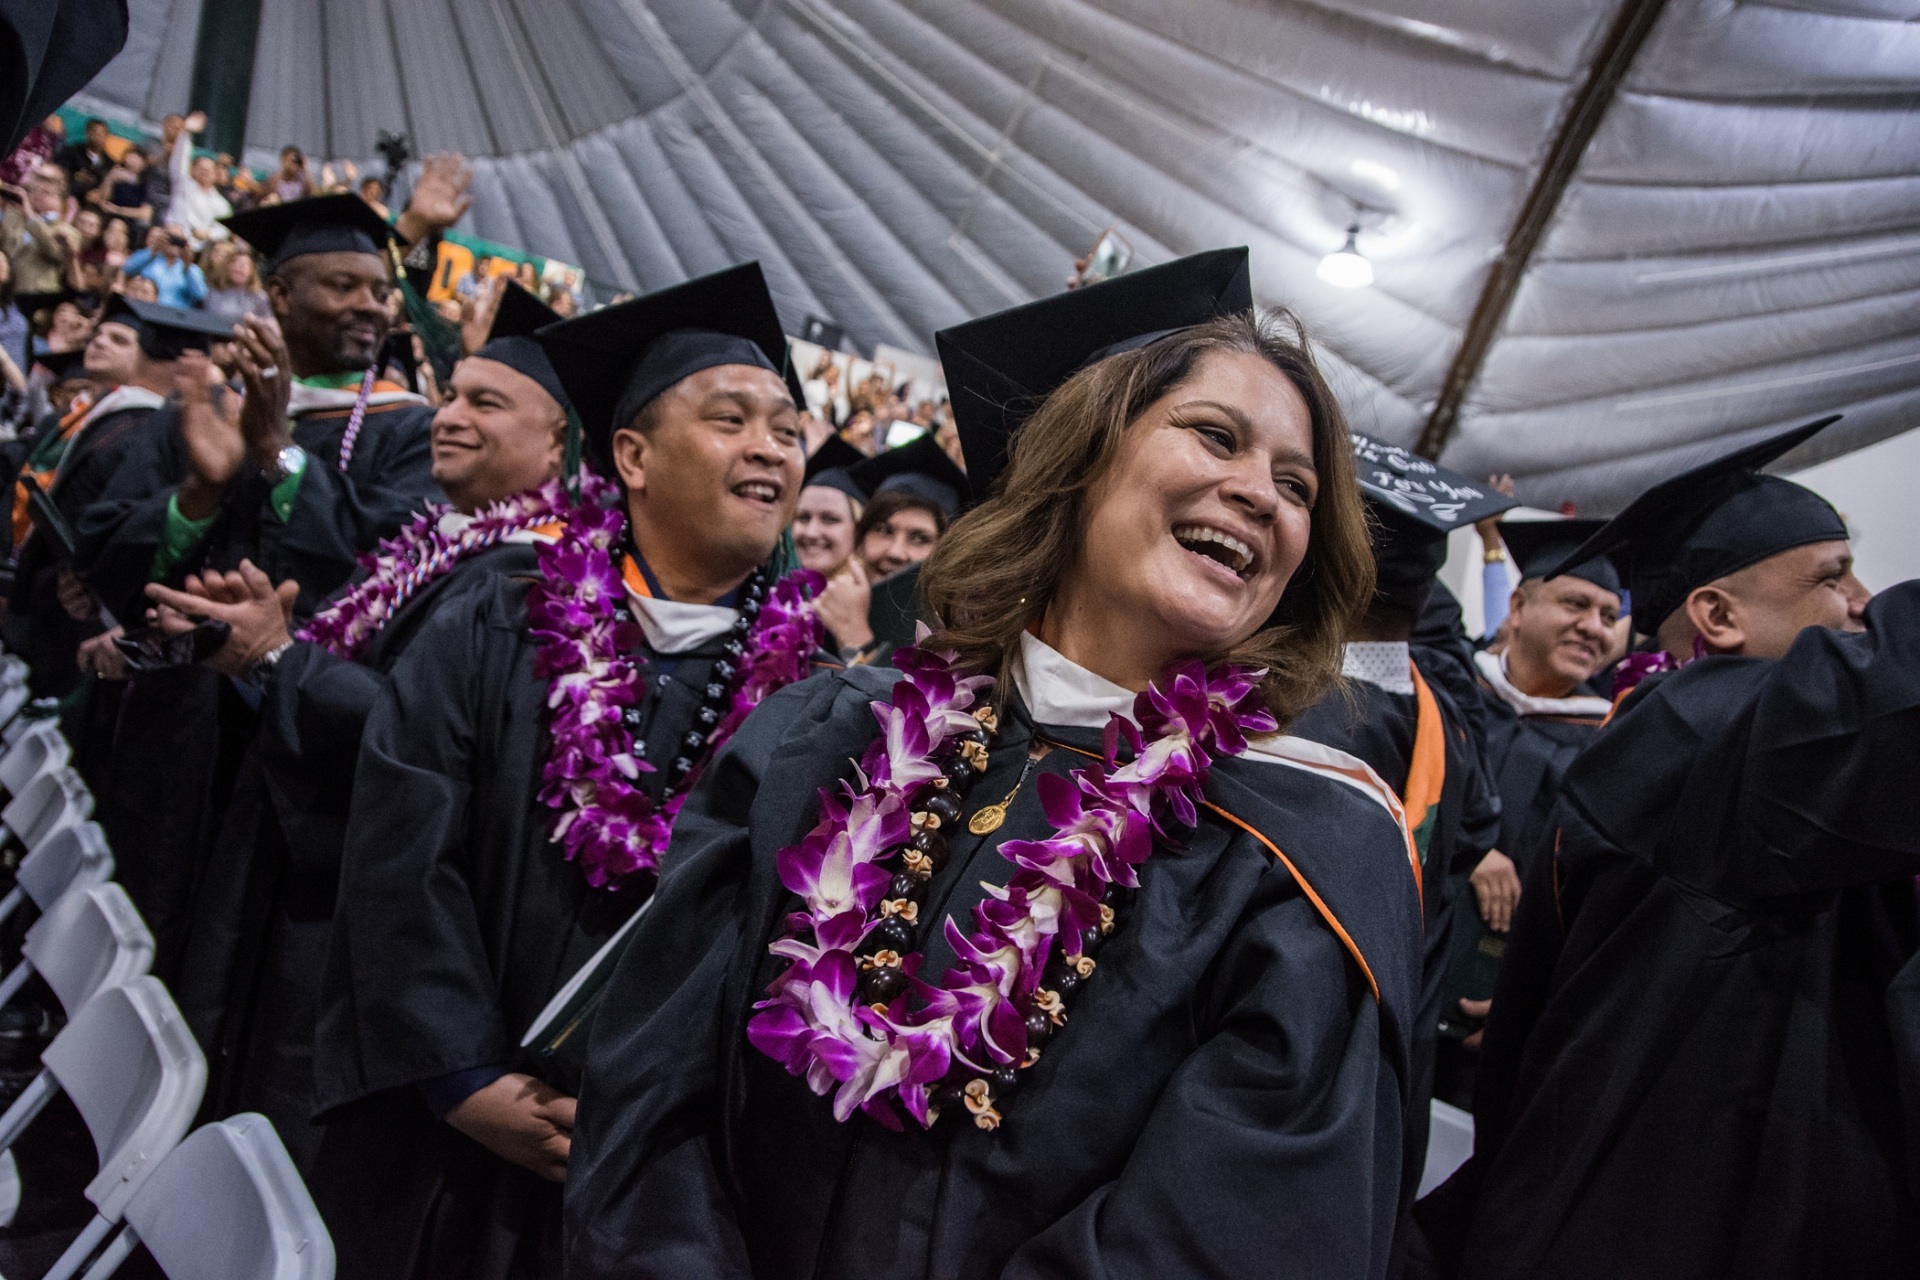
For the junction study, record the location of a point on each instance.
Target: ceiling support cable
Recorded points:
(1582, 120)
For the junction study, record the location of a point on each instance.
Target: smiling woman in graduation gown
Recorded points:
(1226, 1093)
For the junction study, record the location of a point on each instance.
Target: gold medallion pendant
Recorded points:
(988, 819)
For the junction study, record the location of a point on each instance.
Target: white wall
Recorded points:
(1877, 490)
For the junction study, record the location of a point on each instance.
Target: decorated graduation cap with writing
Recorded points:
(319, 224)
(615, 361)
(1001, 368)
(1541, 545)
(920, 468)
(167, 332)
(1416, 503)
(1704, 524)
(511, 342)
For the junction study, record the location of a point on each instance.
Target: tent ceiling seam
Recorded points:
(1588, 107)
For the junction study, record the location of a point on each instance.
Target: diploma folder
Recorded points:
(556, 1041)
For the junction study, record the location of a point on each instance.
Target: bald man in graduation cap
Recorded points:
(251, 982)
(1704, 1053)
(510, 808)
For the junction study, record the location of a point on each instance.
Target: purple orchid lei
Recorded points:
(931, 1047)
(607, 823)
(407, 563)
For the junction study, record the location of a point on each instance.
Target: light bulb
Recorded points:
(1346, 267)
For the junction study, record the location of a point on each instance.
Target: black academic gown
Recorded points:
(250, 989)
(458, 919)
(183, 733)
(1704, 1056)
(38, 626)
(1379, 727)
(1228, 1093)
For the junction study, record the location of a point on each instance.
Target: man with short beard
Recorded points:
(464, 905)
(251, 981)
(1701, 1059)
(314, 465)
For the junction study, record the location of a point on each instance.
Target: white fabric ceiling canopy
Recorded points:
(1734, 251)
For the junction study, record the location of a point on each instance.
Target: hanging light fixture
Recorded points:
(1346, 267)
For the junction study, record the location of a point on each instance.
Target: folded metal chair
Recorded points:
(227, 1204)
(51, 801)
(1449, 1143)
(135, 1074)
(74, 857)
(90, 939)
(39, 748)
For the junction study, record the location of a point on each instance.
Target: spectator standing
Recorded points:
(124, 193)
(235, 284)
(34, 150)
(159, 175)
(197, 205)
(291, 183)
(179, 281)
(86, 161)
(561, 300)
(374, 192)
(35, 233)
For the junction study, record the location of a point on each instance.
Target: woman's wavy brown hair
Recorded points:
(996, 571)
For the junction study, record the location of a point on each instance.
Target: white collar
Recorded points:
(124, 396)
(1387, 664)
(305, 399)
(673, 627)
(1493, 667)
(1059, 691)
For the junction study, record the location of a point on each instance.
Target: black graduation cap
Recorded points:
(1417, 503)
(166, 332)
(63, 364)
(320, 224)
(921, 468)
(29, 303)
(510, 341)
(1540, 545)
(1709, 522)
(828, 466)
(1000, 368)
(614, 361)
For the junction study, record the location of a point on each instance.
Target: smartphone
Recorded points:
(151, 649)
(1109, 257)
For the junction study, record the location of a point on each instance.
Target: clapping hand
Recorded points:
(258, 613)
(260, 354)
(210, 429)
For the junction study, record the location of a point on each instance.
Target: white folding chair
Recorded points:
(13, 687)
(1449, 1143)
(74, 857)
(227, 1204)
(50, 802)
(39, 748)
(135, 1074)
(89, 940)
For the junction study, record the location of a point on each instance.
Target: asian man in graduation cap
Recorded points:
(251, 982)
(1701, 1058)
(1404, 722)
(520, 774)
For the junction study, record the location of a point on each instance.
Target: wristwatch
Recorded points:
(262, 667)
(285, 463)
